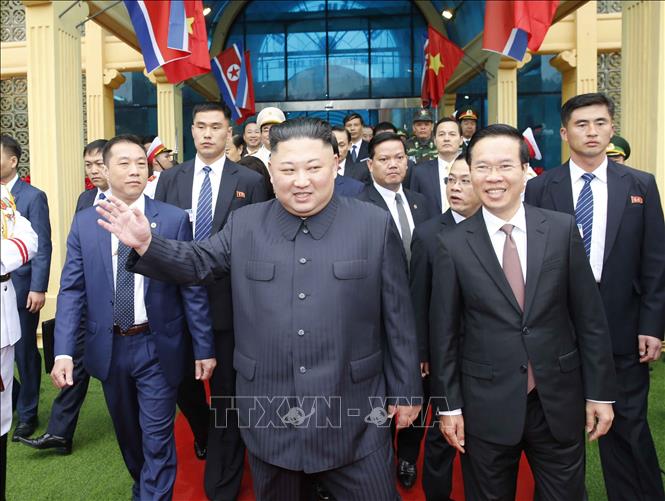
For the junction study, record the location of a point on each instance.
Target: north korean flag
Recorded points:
(233, 71)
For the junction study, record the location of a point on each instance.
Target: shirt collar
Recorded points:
(342, 163)
(494, 223)
(576, 172)
(139, 203)
(389, 195)
(317, 225)
(11, 183)
(216, 166)
(357, 144)
(457, 216)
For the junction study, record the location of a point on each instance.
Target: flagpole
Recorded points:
(478, 66)
(95, 14)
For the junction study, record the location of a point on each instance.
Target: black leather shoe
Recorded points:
(406, 473)
(24, 430)
(322, 494)
(201, 451)
(48, 441)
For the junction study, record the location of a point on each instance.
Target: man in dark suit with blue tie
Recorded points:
(136, 328)
(31, 283)
(344, 186)
(349, 168)
(358, 147)
(619, 214)
(210, 187)
(94, 170)
(335, 338)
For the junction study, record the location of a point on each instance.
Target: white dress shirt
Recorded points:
(342, 165)
(444, 170)
(151, 185)
(599, 191)
(215, 182)
(390, 198)
(457, 216)
(357, 144)
(10, 184)
(98, 194)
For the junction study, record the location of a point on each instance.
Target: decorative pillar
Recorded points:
(502, 88)
(100, 84)
(55, 112)
(448, 105)
(642, 89)
(566, 63)
(169, 110)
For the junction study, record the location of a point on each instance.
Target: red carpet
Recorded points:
(189, 482)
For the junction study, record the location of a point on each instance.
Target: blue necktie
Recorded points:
(204, 208)
(123, 307)
(584, 212)
(354, 153)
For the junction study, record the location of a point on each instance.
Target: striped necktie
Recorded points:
(584, 211)
(203, 224)
(354, 153)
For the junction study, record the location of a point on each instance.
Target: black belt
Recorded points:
(4, 278)
(131, 331)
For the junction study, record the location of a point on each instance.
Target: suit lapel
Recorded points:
(376, 197)
(104, 243)
(17, 188)
(481, 245)
(436, 185)
(618, 188)
(537, 232)
(448, 218)
(152, 214)
(562, 191)
(185, 180)
(416, 210)
(227, 191)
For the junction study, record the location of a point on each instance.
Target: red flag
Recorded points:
(516, 25)
(198, 62)
(233, 71)
(441, 58)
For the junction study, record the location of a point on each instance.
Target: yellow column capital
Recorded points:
(113, 78)
(502, 89)
(565, 61)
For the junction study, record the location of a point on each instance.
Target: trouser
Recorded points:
(29, 364)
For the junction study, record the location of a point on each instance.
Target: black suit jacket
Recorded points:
(363, 154)
(562, 331)
(358, 171)
(423, 249)
(86, 199)
(239, 186)
(425, 179)
(308, 328)
(420, 208)
(633, 279)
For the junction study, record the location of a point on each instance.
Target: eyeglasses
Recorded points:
(501, 169)
(464, 181)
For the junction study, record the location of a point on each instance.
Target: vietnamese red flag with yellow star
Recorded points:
(198, 61)
(441, 58)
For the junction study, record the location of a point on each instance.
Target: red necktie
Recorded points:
(513, 271)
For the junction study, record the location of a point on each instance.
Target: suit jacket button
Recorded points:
(523, 368)
(301, 332)
(302, 260)
(525, 331)
(302, 295)
(302, 370)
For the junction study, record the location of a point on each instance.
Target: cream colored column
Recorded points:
(447, 105)
(100, 84)
(55, 114)
(642, 86)
(502, 89)
(586, 51)
(169, 111)
(566, 63)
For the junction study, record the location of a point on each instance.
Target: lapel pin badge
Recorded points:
(153, 225)
(240, 194)
(415, 206)
(636, 199)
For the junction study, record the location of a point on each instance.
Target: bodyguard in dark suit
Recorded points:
(210, 187)
(619, 214)
(349, 168)
(464, 202)
(30, 282)
(535, 343)
(67, 405)
(358, 147)
(136, 335)
(312, 382)
(429, 177)
(344, 186)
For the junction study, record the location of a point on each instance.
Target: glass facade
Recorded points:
(332, 49)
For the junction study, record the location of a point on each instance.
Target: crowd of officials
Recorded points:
(347, 290)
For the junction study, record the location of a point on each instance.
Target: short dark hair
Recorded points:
(351, 116)
(334, 144)
(339, 128)
(584, 100)
(95, 146)
(383, 127)
(11, 144)
(382, 138)
(237, 140)
(211, 106)
(300, 128)
(448, 119)
(499, 130)
(123, 138)
(257, 165)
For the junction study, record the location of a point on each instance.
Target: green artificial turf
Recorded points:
(95, 471)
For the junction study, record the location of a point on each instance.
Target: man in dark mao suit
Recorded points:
(626, 236)
(312, 383)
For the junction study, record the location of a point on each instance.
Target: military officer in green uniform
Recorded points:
(618, 149)
(420, 146)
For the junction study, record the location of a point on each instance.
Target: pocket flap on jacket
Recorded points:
(260, 270)
(569, 361)
(348, 270)
(245, 366)
(367, 367)
(475, 369)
